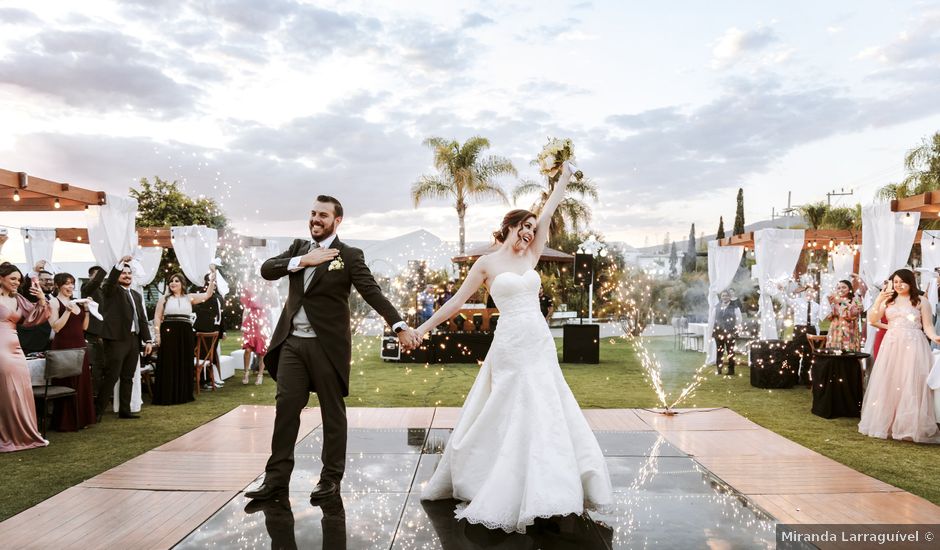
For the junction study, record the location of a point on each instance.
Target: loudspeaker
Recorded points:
(583, 269)
(581, 344)
(391, 350)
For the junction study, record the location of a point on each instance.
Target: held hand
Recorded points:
(40, 265)
(126, 259)
(75, 309)
(318, 256)
(212, 268)
(148, 348)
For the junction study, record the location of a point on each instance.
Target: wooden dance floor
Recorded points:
(164, 496)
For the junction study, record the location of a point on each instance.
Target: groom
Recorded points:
(311, 347)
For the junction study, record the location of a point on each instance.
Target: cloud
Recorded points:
(735, 44)
(16, 16)
(475, 20)
(316, 32)
(434, 49)
(918, 44)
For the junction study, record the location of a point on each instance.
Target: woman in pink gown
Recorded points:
(253, 333)
(18, 426)
(898, 403)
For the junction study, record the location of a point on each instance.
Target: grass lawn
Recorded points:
(34, 475)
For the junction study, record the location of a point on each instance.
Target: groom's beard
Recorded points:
(327, 231)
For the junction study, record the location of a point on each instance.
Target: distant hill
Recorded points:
(788, 222)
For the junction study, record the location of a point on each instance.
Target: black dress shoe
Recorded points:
(325, 488)
(133, 416)
(266, 492)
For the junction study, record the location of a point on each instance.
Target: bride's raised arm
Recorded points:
(473, 282)
(548, 210)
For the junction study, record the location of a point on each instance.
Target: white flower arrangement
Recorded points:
(555, 153)
(336, 264)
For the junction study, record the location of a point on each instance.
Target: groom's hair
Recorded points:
(337, 207)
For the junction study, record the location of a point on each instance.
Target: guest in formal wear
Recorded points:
(209, 319)
(446, 295)
(845, 309)
(173, 323)
(898, 402)
(727, 320)
(18, 427)
(37, 338)
(805, 312)
(69, 321)
(426, 304)
(124, 332)
(254, 335)
(94, 345)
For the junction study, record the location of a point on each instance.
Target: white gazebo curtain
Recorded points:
(887, 238)
(112, 231)
(723, 262)
(930, 260)
(146, 264)
(38, 243)
(195, 247)
(777, 252)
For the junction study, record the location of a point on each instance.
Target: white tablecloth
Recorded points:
(36, 367)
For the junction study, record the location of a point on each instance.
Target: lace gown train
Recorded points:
(522, 448)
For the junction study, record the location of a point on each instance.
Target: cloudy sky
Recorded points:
(672, 107)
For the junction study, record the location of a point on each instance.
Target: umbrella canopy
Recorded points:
(548, 255)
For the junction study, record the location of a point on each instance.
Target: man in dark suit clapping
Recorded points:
(123, 331)
(311, 347)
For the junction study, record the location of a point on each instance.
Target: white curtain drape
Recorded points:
(777, 252)
(112, 231)
(147, 264)
(195, 247)
(887, 238)
(930, 260)
(39, 246)
(723, 262)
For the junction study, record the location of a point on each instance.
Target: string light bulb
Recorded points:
(57, 204)
(16, 195)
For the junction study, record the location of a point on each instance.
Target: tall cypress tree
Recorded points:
(690, 255)
(721, 228)
(673, 259)
(739, 215)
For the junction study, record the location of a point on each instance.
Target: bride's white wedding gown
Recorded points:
(521, 449)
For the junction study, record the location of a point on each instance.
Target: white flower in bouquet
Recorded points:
(555, 153)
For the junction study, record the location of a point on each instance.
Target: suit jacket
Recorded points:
(92, 289)
(206, 314)
(326, 302)
(117, 312)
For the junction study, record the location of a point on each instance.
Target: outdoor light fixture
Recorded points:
(16, 195)
(57, 204)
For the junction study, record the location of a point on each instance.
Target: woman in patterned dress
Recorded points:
(846, 308)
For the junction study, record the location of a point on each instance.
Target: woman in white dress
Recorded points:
(522, 448)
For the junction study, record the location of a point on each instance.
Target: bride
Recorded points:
(521, 449)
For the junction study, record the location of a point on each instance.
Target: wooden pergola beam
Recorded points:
(928, 202)
(21, 183)
(47, 204)
(817, 236)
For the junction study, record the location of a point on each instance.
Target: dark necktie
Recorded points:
(308, 274)
(135, 326)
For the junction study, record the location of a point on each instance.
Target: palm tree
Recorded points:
(923, 171)
(463, 174)
(814, 214)
(572, 213)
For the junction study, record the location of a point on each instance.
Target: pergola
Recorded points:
(24, 193)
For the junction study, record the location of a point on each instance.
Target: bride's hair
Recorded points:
(908, 277)
(511, 219)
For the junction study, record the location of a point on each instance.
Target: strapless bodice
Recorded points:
(516, 294)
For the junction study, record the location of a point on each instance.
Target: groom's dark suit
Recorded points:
(319, 364)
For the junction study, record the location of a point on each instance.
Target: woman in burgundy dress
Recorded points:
(69, 321)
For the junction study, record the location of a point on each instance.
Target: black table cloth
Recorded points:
(837, 384)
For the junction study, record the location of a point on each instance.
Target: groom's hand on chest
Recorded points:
(318, 256)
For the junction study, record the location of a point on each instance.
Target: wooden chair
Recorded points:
(59, 364)
(816, 343)
(205, 356)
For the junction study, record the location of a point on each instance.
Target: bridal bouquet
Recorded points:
(555, 153)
